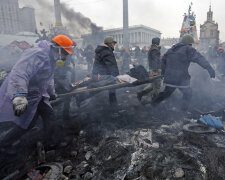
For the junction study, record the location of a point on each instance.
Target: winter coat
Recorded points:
(105, 61)
(32, 75)
(175, 64)
(154, 58)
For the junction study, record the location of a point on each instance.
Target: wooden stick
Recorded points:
(109, 87)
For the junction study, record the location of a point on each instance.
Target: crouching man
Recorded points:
(25, 93)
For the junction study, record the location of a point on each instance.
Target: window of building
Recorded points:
(139, 37)
(211, 32)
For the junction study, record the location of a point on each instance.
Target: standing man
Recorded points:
(63, 79)
(126, 61)
(175, 64)
(25, 93)
(138, 56)
(105, 63)
(154, 62)
(89, 54)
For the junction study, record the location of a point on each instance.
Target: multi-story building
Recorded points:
(168, 42)
(138, 35)
(28, 19)
(209, 33)
(14, 20)
(10, 22)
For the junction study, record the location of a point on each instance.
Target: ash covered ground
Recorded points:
(131, 141)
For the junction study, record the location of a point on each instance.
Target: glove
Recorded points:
(155, 73)
(212, 73)
(53, 97)
(19, 105)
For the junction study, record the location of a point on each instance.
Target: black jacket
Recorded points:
(176, 61)
(154, 58)
(105, 61)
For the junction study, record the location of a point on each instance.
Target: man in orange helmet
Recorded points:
(26, 91)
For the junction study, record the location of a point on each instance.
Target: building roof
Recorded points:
(132, 27)
(6, 39)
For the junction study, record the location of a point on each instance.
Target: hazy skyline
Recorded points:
(163, 15)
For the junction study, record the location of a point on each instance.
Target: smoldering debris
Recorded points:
(134, 146)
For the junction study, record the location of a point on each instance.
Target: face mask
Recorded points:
(59, 61)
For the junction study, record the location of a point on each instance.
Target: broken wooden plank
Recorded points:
(61, 97)
(110, 87)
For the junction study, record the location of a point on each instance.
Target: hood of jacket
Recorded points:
(102, 47)
(45, 44)
(177, 46)
(156, 41)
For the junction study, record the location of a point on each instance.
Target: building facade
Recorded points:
(14, 19)
(138, 35)
(10, 22)
(28, 19)
(169, 42)
(209, 33)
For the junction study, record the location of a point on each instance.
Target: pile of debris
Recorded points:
(127, 142)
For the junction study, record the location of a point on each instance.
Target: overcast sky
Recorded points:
(163, 15)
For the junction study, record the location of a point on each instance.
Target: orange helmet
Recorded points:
(220, 48)
(64, 42)
(123, 49)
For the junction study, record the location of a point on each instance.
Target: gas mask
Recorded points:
(60, 61)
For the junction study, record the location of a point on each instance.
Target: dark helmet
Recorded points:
(187, 39)
(156, 41)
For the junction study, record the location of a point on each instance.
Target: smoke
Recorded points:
(76, 23)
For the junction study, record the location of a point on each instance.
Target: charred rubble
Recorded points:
(130, 141)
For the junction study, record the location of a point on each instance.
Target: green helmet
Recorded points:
(187, 39)
(109, 40)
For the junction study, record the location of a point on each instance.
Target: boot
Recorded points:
(139, 96)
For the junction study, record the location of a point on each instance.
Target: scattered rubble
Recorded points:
(130, 142)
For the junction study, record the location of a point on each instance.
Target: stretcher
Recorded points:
(119, 85)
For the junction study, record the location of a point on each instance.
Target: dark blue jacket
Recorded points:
(176, 61)
(105, 61)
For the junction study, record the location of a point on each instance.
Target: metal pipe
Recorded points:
(125, 25)
(58, 20)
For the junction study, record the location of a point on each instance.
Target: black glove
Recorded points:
(212, 73)
(53, 97)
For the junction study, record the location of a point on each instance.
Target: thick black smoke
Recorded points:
(76, 23)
